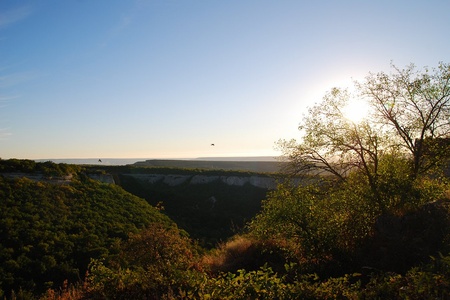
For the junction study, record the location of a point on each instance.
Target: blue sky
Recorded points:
(165, 79)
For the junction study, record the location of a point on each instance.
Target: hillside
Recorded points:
(50, 230)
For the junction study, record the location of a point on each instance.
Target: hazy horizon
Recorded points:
(123, 161)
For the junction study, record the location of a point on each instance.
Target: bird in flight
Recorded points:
(212, 145)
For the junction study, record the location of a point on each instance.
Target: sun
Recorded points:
(356, 111)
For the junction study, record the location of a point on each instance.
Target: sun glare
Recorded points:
(356, 111)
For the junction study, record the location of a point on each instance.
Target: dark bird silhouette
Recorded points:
(212, 145)
(99, 160)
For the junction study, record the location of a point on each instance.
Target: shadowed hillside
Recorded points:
(211, 205)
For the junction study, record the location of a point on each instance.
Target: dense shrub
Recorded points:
(246, 252)
(339, 227)
(155, 262)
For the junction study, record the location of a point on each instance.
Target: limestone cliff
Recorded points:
(175, 180)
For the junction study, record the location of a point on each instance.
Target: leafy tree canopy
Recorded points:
(408, 124)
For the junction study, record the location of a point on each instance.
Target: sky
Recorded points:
(166, 79)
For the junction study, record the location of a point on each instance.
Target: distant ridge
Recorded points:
(239, 158)
(221, 163)
(93, 161)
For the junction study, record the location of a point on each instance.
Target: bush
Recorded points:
(152, 263)
(246, 252)
(320, 226)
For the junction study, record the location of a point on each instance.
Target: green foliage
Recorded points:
(291, 213)
(49, 232)
(48, 169)
(17, 165)
(430, 281)
(151, 264)
(260, 284)
(267, 284)
(263, 283)
(177, 168)
(320, 224)
(340, 227)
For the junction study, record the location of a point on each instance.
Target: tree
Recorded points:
(331, 143)
(375, 166)
(409, 120)
(414, 106)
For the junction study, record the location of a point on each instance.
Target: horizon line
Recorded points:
(155, 158)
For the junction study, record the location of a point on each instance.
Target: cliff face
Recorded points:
(210, 206)
(175, 180)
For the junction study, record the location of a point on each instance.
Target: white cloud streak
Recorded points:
(13, 16)
(16, 78)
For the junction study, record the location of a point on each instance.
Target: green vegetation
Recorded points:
(49, 232)
(47, 169)
(337, 229)
(176, 167)
(374, 223)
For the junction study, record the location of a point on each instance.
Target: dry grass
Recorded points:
(228, 254)
(66, 292)
(245, 252)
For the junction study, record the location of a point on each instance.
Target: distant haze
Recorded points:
(128, 161)
(243, 158)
